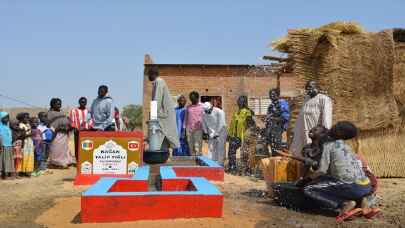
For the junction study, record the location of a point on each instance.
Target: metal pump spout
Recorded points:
(154, 154)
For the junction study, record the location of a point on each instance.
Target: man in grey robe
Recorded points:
(316, 111)
(166, 114)
(214, 125)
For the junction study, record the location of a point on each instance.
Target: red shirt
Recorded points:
(80, 118)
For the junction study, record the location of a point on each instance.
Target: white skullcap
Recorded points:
(207, 106)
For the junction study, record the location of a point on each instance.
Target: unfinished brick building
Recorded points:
(220, 83)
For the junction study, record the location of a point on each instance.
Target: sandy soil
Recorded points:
(53, 201)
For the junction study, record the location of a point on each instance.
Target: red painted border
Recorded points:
(209, 173)
(150, 207)
(129, 186)
(177, 185)
(116, 200)
(86, 179)
(115, 134)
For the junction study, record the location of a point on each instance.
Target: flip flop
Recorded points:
(349, 214)
(372, 212)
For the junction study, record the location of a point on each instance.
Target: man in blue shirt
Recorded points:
(278, 116)
(180, 116)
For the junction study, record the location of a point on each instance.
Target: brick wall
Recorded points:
(228, 81)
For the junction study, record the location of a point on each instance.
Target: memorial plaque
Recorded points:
(108, 154)
(110, 158)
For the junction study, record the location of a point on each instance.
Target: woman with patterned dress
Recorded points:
(237, 130)
(28, 145)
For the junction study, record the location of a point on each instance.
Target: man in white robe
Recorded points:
(214, 126)
(316, 110)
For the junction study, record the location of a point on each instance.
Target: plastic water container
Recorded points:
(279, 169)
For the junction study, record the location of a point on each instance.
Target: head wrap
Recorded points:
(3, 114)
(207, 106)
(5, 131)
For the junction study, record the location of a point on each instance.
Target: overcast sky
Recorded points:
(67, 48)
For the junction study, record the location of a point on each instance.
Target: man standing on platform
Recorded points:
(80, 120)
(102, 111)
(214, 125)
(316, 111)
(165, 110)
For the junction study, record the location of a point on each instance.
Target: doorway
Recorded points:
(216, 101)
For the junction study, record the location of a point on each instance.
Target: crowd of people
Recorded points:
(32, 144)
(336, 178)
(198, 121)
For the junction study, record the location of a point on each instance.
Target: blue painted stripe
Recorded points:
(173, 193)
(167, 172)
(102, 186)
(142, 173)
(208, 162)
(202, 185)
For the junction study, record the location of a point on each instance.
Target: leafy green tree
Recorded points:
(134, 113)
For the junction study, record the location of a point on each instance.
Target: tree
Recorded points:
(134, 115)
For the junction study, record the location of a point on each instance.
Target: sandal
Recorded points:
(349, 214)
(371, 212)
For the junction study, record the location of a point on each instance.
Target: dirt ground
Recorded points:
(52, 201)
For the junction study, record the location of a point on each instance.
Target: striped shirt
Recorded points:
(81, 118)
(193, 118)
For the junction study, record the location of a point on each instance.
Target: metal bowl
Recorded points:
(155, 157)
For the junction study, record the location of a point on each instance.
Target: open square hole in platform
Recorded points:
(140, 186)
(129, 186)
(184, 161)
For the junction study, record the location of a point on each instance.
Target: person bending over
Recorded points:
(339, 180)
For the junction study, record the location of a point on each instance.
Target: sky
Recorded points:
(67, 48)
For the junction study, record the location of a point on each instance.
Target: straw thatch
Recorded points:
(356, 69)
(351, 73)
(330, 32)
(384, 151)
(399, 76)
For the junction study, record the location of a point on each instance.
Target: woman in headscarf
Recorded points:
(339, 180)
(59, 152)
(28, 145)
(6, 147)
(237, 130)
(248, 163)
(18, 138)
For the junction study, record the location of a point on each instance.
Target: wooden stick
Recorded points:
(275, 58)
(291, 156)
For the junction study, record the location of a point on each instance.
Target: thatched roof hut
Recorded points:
(362, 72)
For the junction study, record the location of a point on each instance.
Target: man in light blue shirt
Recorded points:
(102, 111)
